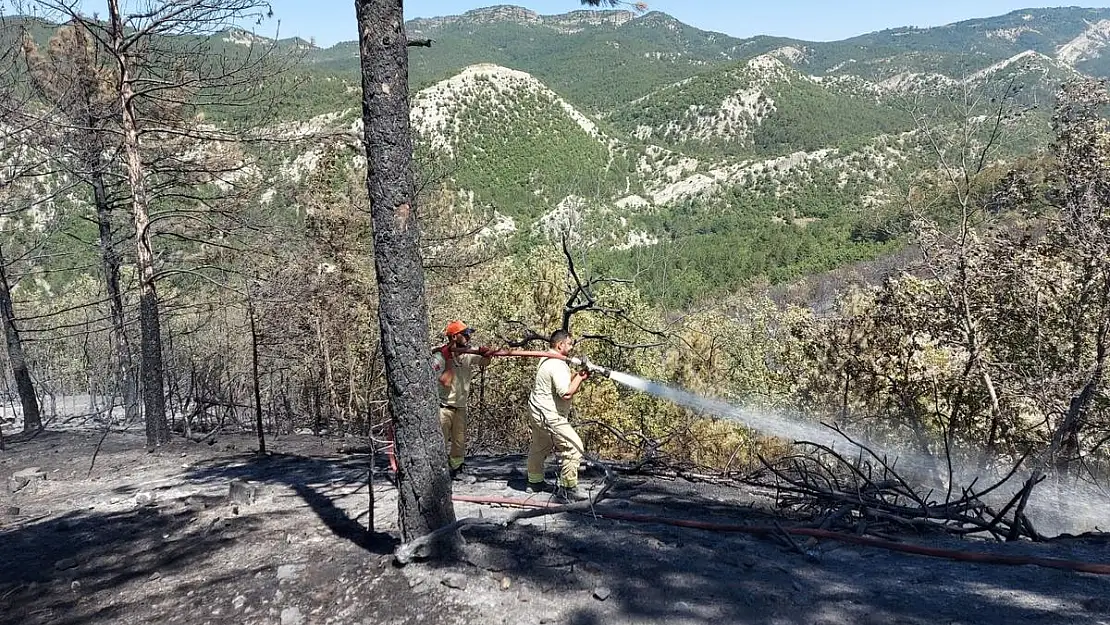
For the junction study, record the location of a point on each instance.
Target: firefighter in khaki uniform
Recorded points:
(455, 372)
(549, 407)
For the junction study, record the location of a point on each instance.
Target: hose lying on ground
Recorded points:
(763, 530)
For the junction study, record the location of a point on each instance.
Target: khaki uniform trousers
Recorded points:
(453, 422)
(552, 431)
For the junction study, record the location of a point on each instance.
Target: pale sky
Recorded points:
(330, 21)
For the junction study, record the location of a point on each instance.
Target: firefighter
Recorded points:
(549, 407)
(455, 371)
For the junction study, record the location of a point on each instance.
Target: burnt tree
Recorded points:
(154, 399)
(32, 417)
(22, 165)
(424, 499)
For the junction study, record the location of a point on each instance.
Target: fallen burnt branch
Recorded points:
(666, 468)
(867, 494)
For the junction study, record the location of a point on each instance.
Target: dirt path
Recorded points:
(154, 538)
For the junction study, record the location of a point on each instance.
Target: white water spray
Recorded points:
(774, 425)
(1054, 507)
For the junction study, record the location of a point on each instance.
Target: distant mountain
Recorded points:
(238, 37)
(604, 59)
(597, 58)
(730, 158)
(1072, 35)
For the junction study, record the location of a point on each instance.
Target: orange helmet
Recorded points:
(457, 327)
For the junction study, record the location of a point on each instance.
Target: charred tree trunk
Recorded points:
(424, 488)
(154, 401)
(312, 397)
(32, 417)
(286, 405)
(110, 264)
(254, 371)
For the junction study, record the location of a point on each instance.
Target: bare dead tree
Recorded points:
(963, 135)
(73, 78)
(157, 428)
(32, 417)
(256, 384)
(20, 163)
(582, 299)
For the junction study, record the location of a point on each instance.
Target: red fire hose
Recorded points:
(762, 530)
(391, 436)
(510, 352)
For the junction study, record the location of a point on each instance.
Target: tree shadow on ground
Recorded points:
(50, 566)
(317, 481)
(655, 573)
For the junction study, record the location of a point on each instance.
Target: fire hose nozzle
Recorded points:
(597, 369)
(585, 365)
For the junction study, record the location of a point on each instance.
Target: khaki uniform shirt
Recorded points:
(552, 382)
(458, 393)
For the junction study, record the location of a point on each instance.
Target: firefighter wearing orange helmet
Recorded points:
(455, 370)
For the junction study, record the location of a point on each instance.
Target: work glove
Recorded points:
(486, 351)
